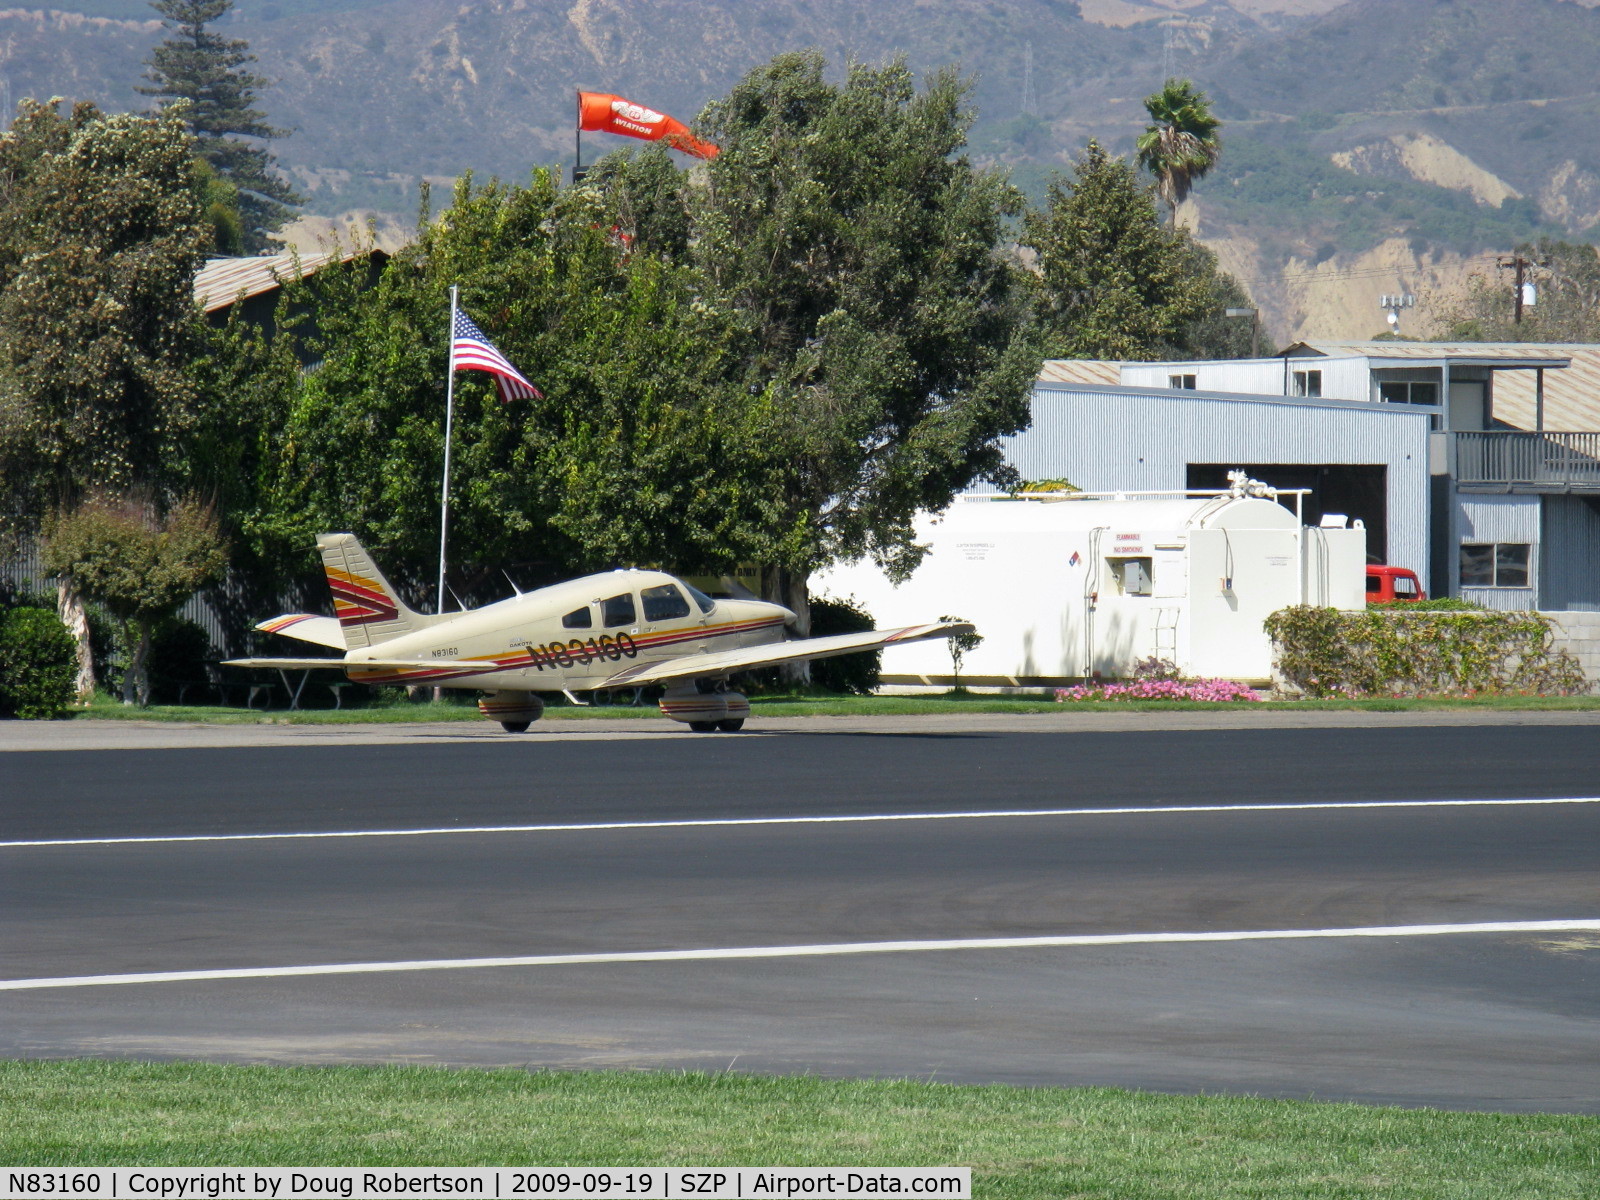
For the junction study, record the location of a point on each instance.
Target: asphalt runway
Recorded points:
(955, 904)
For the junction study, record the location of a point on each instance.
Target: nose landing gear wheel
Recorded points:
(703, 726)
(732, 725)
(515, 726)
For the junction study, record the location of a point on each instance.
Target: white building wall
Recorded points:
(1342, 378)
(1130, 439)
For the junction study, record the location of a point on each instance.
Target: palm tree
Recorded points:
(1182, 144)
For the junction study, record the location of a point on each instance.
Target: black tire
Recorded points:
(515, 726)
(731, 725)
(703, 726)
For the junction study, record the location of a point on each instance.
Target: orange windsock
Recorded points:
(613, 114)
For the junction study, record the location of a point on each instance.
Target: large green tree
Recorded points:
(1181, 143)
(644, 449)
(862, 257)
(1114, 282)
(101, 231)
(207, 72)
(777, 358)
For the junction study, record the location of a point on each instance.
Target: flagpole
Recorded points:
(449, 421)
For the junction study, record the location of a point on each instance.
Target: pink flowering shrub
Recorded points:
(1213, 690)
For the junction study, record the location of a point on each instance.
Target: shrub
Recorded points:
(38, 664)
(1154, 670)
(854, 674)
(1404, 652)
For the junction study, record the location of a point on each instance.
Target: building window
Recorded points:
(1498, 565)
(1408, 393)
(1181, 381)
(1308, 383)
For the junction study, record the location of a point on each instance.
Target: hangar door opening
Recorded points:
(1357, 490)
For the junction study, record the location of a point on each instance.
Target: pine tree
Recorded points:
(205, 69)
(1114, 282)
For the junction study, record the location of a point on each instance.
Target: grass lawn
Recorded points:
(105, 707)
(1020, 1142)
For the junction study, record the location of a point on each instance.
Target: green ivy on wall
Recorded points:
(1388, 652)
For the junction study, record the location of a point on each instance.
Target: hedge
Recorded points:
(1391, 652)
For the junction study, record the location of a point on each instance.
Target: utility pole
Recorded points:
(1520, 282)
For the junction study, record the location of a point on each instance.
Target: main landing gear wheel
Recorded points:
(703, 726)
(515, 710)
(731, 725)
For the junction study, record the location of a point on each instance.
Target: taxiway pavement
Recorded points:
(411, 862)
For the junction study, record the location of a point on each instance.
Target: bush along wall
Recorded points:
(1388, 652)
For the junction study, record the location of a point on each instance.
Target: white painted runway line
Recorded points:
(836, 949)
(730, 822)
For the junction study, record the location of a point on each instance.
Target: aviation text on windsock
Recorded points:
(613, 114)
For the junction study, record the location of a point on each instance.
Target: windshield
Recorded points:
(663, 603)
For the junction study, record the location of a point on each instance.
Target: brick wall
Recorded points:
(1578, 633)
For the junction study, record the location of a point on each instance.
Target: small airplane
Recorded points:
(617, 629)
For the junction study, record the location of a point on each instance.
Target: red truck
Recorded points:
(1392, 583)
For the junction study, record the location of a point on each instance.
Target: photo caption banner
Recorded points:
(490, 1183)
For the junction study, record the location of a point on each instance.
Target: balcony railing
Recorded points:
(1541, 461)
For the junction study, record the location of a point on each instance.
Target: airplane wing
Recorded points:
(724, 662)
(321, 631)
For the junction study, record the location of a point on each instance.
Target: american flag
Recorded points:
(470, 350)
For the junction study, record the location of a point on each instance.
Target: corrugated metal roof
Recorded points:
(223, 281)
(1571, 396)
(1489, 353)
(1080, 370)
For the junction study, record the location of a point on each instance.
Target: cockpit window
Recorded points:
(618, 610)
(705, 602)
(578, 618)
(664, 603)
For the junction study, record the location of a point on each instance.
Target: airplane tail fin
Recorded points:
(370, 612)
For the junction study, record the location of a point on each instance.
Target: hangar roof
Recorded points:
(224, 281)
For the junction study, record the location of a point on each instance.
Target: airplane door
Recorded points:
(665, 608)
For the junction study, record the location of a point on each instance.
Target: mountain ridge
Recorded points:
(1322, 168)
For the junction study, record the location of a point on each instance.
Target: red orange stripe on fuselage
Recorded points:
(533, 656)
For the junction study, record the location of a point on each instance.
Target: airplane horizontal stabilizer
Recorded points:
(695, 666)
(311, 664)
(320, 631)
(286, 664)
